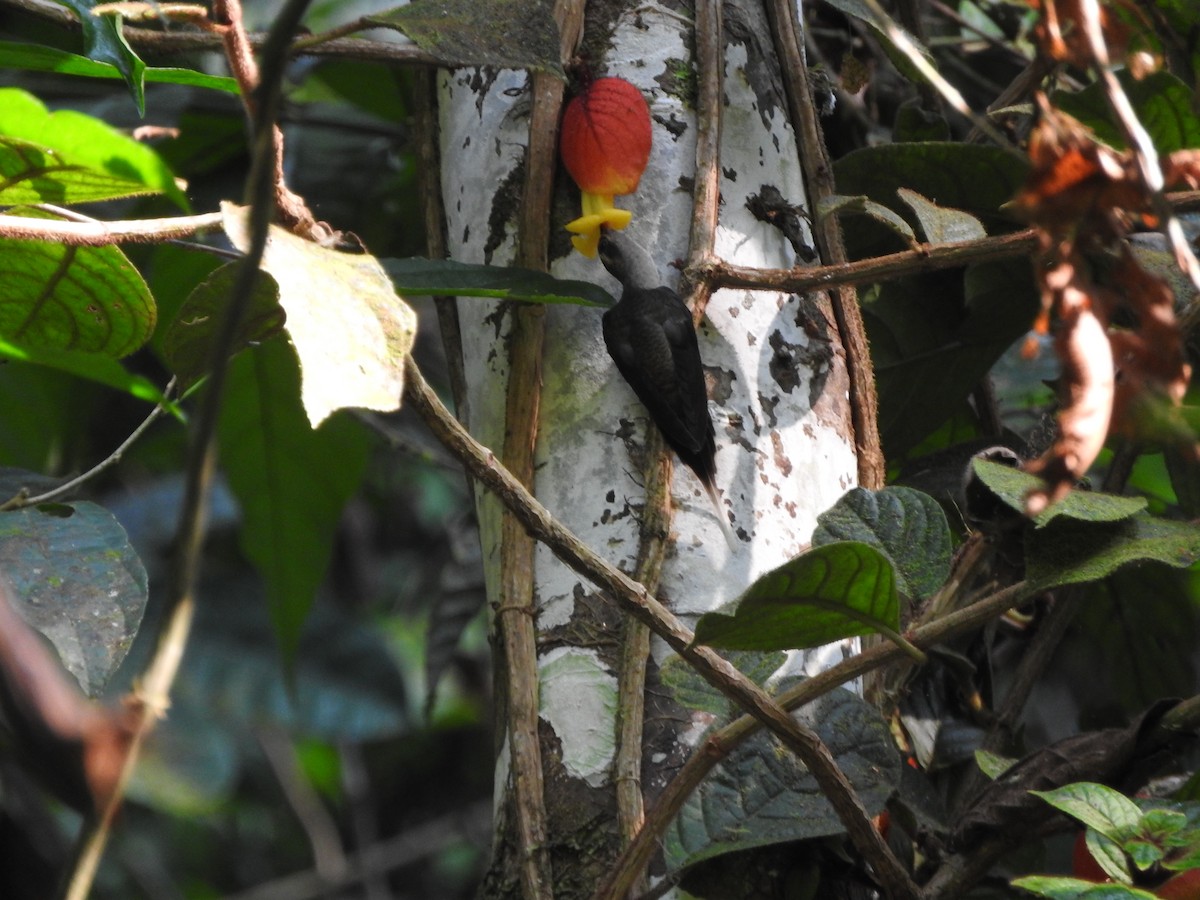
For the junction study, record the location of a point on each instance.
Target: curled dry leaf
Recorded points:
(1083, 198)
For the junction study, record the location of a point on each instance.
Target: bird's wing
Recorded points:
(654, 346)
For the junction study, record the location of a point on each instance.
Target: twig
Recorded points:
(818, 176)
(393, 853)
(719, 744)
(637, 602)
(697, 285)
(154, 691)
(319, 826)
(927, 258)
(108, 462)
(192, 41)
(101, 234)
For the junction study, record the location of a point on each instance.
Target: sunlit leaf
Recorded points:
(1012, 485)
(104, 42)
(826, 594)
(1060, 887)
(1162, 102)
(1073, 552)
(40, 58)
(1100, 807)
(862, 205)
(67, 157)
(350, 329)
(92, 366)
(90, 299)
(940, 224)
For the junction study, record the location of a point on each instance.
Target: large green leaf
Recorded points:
(934, 337)
(77, 580)
(1164, 105)
(291, 480)
(39, 58)
(1012, 486)
(351, 331)
(508, 34)
(828, 593)
(104, 42)
(907, 525)
(92, 366)
(971, 178)
(187, 343)
(762, 795)
(1061, 887)
(447, 277)
(88, 299)
(1068, 551)
(1096, 805)
(74, 158)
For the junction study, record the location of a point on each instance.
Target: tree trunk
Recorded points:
(777, 382)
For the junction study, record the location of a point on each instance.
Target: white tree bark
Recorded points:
(778, 387)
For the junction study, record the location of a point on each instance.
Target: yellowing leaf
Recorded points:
(350, 330)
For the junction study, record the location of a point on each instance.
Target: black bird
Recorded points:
(650, 336)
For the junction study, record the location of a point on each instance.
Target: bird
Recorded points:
(650, 336)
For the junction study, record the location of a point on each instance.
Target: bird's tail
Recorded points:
(719, 511)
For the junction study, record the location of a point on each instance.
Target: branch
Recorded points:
(192, 41)
(634, 599)
(927, 258)
(818, 176)
(108, 462)
(718, 745)
(102, 234)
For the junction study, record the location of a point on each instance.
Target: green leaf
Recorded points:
(104, 42)
(1059, 887)
(67, 157)
(934, 337)
(832, 592)
(187, 342)
(92, 366)
(291, 480)
(907, 525)
(975, 179)
(447, 277)
(1073, 552)
(351, 331)
(1163, 103)
(993, 765)
(89, 299)
(1109, 856)
(691, 691)
(1110, 812)
(865, 206)
(507, 34)
(77, 580)
(1012, 486)
(39, 58)
(939, 224)
(880, 25)
(761, 795)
